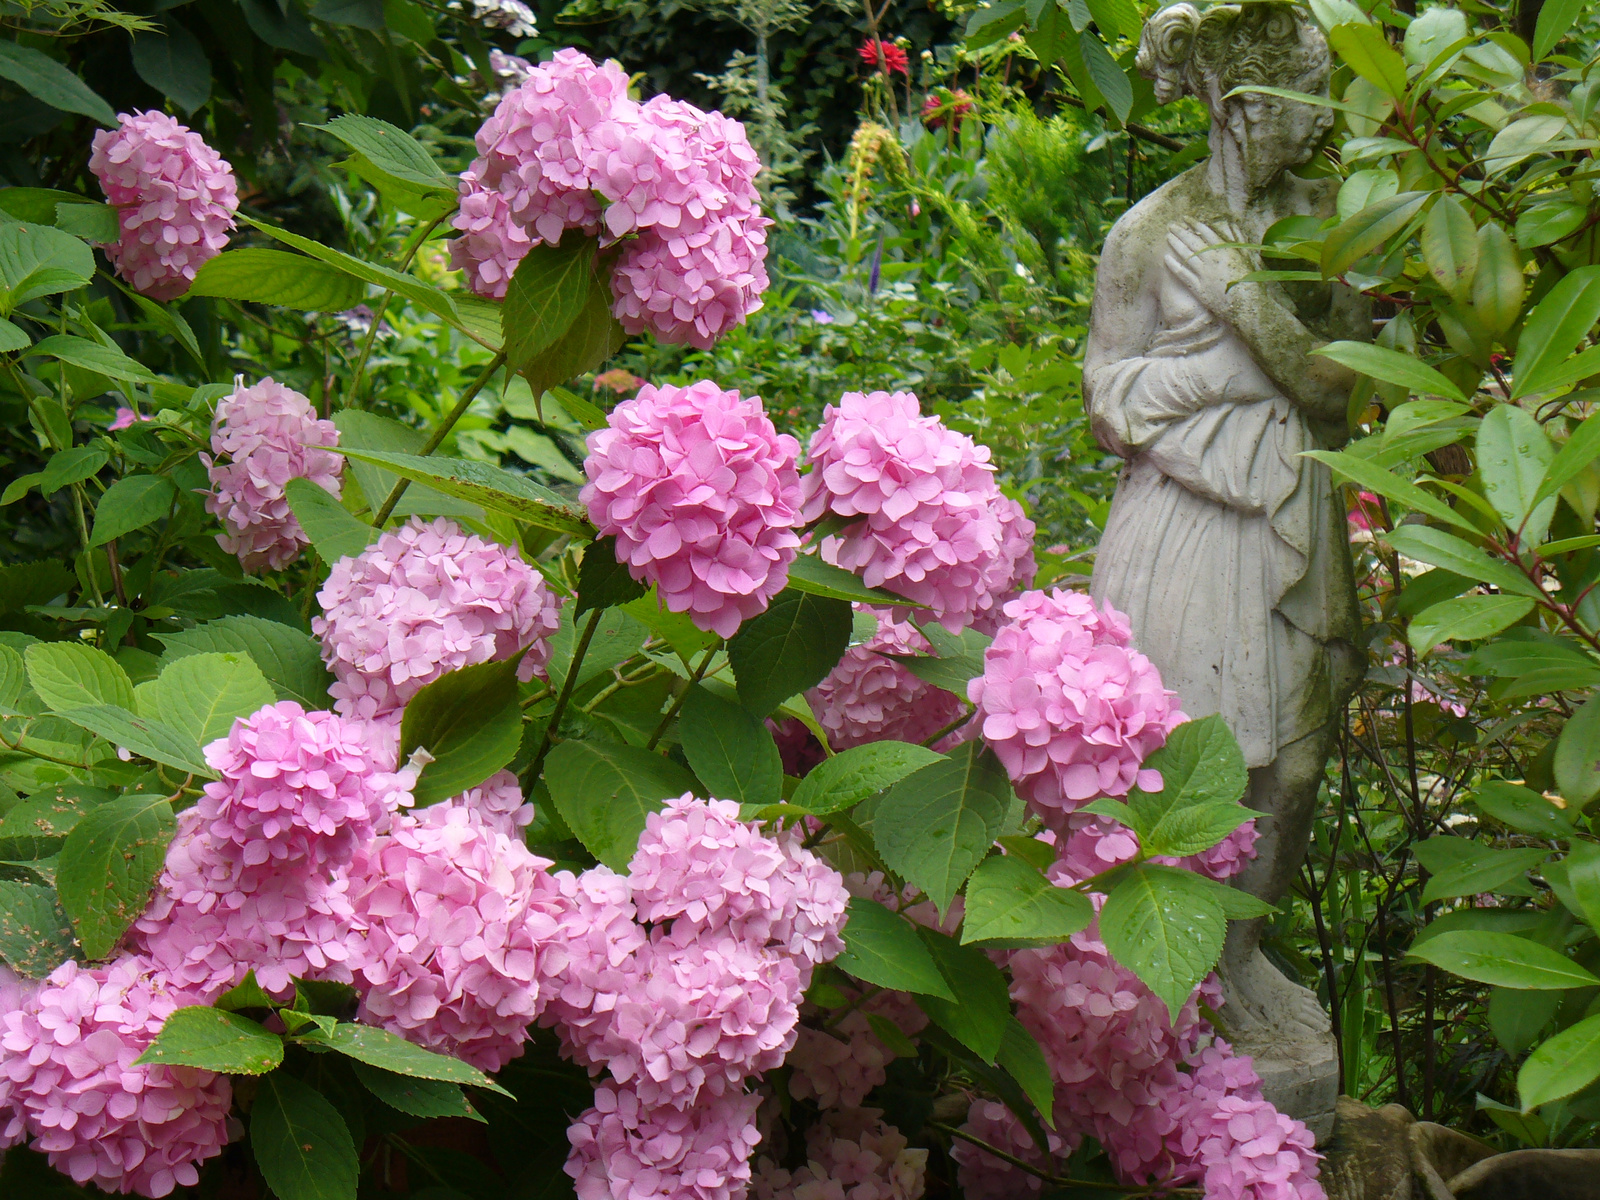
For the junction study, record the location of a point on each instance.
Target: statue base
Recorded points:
(1300, 1079)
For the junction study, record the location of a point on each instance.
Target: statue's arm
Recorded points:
(1122, 321)
(1283, 347)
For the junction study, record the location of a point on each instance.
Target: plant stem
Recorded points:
(567, 685)
(439, 434)
(1061, 1180)
(699, 672)
(952, 727)
(383, 307)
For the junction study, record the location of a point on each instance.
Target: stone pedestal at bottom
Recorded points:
(1301, 1079)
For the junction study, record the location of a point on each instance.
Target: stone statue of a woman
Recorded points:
(1225, 548)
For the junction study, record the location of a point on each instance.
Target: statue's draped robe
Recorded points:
(1225, 549)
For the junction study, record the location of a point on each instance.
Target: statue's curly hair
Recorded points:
(1232, 45)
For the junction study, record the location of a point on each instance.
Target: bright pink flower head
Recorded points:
(930, 527)
(1069, 706)
(946, 107)
(456, 919)
(851, 1154)
(68, 1080)
(424, 600)
(623, 1149)
(701, 493)
(298, 789)
(1013, 567)
(893, 57)
(177, 197)
(590, 961)
(869, 697)
(696, 860)
(262, 437)
(985, 1177)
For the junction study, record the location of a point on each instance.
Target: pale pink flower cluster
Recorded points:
(568, 150)
(839, 1065)
(262, 437)
(702, 495)
(424, 600)
(453, 919)
(1013, 567)
(177, 198)
(1087, 844)
(68, 1081)
(682, 1015)
(933, 526)
(869, 697)
(1068, 705)
(985, 1177)
(851, 1154)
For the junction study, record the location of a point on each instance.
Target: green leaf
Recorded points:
(1009, 904)
(1440, 549)
(92, 356)
(201, 695)
(603, 580)
(36, 260)
(209, 1039)
(171, 60)
(496, 489)
(380, 1048)
(416, 1097)
(470, 721)
(1497, 285)
(262, 275)
(1021, 1058)
(290, 660)
(37, 827)
(146, 737)
(604, 791)
(1552, 331)
(1546, 224)
(1352, 240)
(1503, 959)
(1575, 455)
(1165, 926)
(981, 1010)
(1518, 139)
(391, 150)
(1370, 56)
(1577, 760)
(1450, 246)
(12, 338)
(883, 948)
(332, 530)
(936, 824)
(1107, 75)
(131, 503)
(1514, 454)
(35, 935)
(1374, 478)
(1523, 809)
(1391, 366)
(849, 777)
(1516, 1018)
(730, 749)
(1485, 871)
(1566, 1063)
(594, 336)
(108, 864)
(1465, 619)
(47, 81)
(68, 675)
(369, 431)
(808, 573)
(71, 466)
(789, 648)
(247, 993)
(545, 296)
(96, 223)
(1555, 19)
(1583, 883)
(301, 1143)
(1203, 775)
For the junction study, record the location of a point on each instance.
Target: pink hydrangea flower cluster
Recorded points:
(177, 198)
(1013, 567)
(568, 150)
(68, 1081)
(1087, 844)
(424, 600)
(454, 918)
(851, 1154)
(985, 1177)
(931, 513)
(1068, 705)
(798, 748)
(262, 437)
(623, 1149)
(869, 697)
(839, 1065)
(702, 495)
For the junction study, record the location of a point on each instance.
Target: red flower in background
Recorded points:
(894, 58)
(946, 107)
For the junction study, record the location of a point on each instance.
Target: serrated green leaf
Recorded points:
(416, 1097)
(291, 661)
(301, 1143)
(108, 864)
(1022, 1059)
(210, 1039)
(146, 737)
(494, 488)
(604, 791)
(789, 648)
(47, 81)
(808, 573)
(470, 721)
(1166, 927)
(332, 530)
(730, 749)
(1009, 904)
(603, 581)
(201, 695)
(380, 1048)
(262, 275)
(849, 777)
(547, 292)
(978, 1017)
(37, 260)
(92, 356)
(35, 935)
(883, 948)
(131, 503)
(68, 675)
(1203, 775)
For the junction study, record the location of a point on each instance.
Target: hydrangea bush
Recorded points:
(739, 824)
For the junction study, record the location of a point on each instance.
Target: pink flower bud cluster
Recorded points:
(701, 493)
(851, 1154)
(567, 149)
(262, 437)
(1068, 705)
(424, 600)
(682, 1015)
(177, 198)
(68, 1081)
(869, 697)
(933, 525)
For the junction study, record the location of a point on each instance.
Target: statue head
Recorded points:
(1263, 44)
